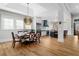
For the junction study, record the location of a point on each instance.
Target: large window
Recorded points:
(7, 24)
(19, 24)
(27, 26)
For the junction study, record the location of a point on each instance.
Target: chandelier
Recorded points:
(28, 18)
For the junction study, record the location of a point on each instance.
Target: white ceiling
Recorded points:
(36, 8)
(73, 8)
(49, 6)
(21, 8)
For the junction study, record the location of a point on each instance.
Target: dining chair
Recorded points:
(35, 37)
(32, 36)
(14, 41)
(38, 37)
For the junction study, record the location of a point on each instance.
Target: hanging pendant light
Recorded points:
(28, 18)
(28, 9)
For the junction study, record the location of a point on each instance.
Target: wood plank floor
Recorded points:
(48, 47)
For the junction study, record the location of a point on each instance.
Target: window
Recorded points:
(19, 24)
(7, 23)
(28, 26)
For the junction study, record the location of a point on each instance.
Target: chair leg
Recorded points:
(36, 41)
(39, 40)
(13, 44)
(20, 42)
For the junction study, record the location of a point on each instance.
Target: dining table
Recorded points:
(23, 36)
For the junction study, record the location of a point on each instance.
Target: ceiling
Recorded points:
(21, 8)
(38, 7)
(73, 8)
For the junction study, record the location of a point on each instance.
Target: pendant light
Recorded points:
(28, 18)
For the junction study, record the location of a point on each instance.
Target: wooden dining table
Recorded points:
(23, 37)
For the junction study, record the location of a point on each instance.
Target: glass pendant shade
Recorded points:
(28, 20)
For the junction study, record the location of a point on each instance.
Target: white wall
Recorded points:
(67, 21)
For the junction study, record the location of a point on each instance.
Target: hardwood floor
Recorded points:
(48, 47)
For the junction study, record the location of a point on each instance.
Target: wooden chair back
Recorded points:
(14, 41)
(32, 36)
(38, 36)
(13, 37)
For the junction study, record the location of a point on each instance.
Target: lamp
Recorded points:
(28, 9)
(28, 19)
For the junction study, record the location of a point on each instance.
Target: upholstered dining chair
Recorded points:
(35, 37)
(38, 37)
(32, 36)
(14, 41)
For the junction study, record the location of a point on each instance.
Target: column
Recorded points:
(34, 24)
(72, 25)
(60, 23)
